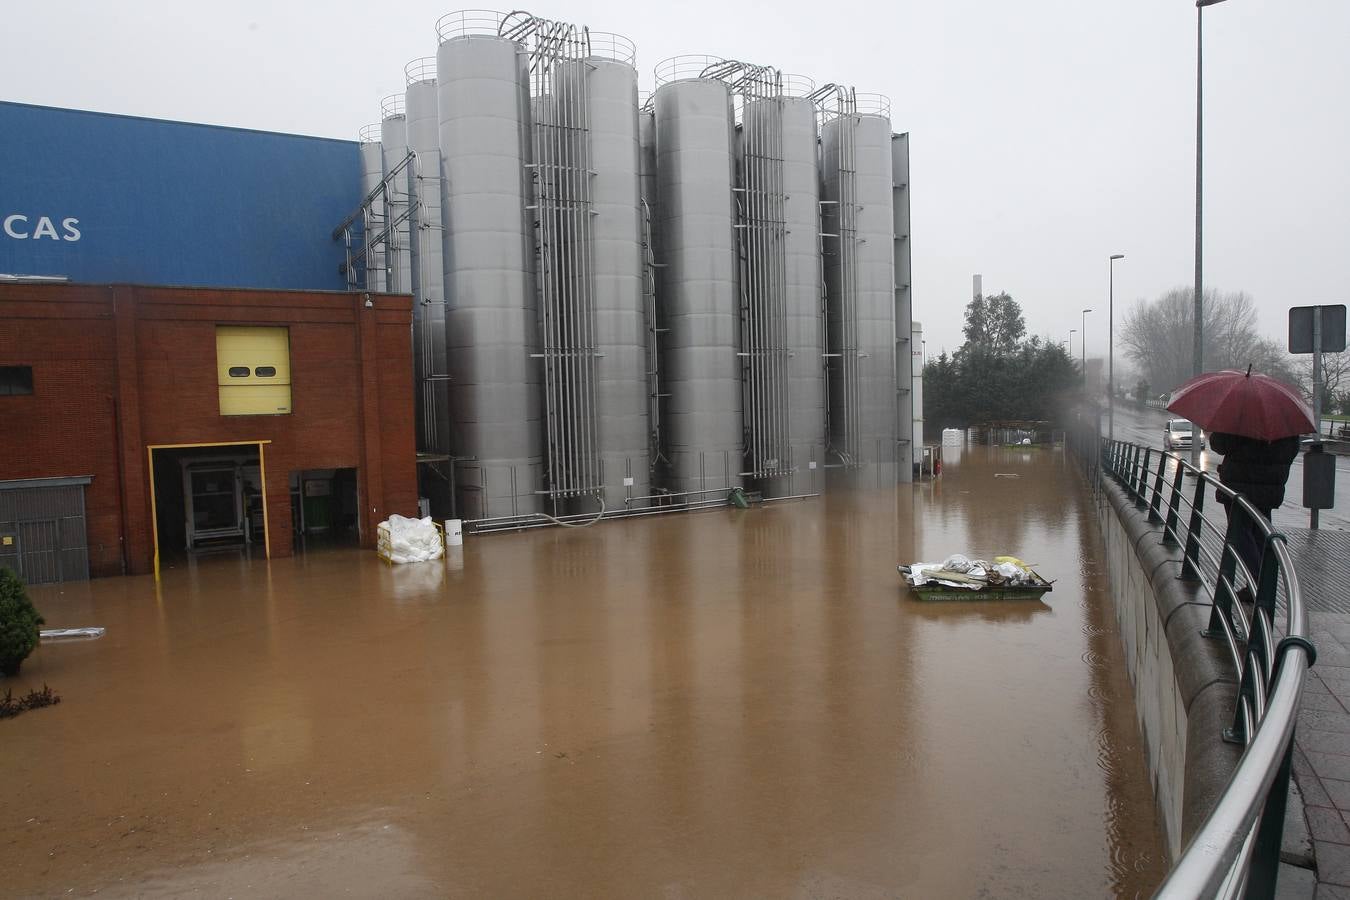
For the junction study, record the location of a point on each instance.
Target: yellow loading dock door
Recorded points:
(253, 370)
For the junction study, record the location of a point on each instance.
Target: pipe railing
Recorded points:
(1236, 851)
(392, 106)
(419, 70)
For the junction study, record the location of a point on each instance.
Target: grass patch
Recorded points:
(10, 706)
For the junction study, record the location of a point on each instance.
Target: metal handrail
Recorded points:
(470, 22)
(369, 134)
(873, 104)
(419, 70)
(616, 47)
(391, 106)
(1235, 851)
(687, 66)
(797, 86)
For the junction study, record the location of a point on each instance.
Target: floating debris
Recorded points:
(92, 633)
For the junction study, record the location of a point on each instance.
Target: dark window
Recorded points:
(16, 380)
(238, 371)
(265, 371)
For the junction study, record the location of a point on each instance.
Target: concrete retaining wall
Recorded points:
(1183, 689)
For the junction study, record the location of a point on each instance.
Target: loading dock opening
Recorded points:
(207, 493)
(324, 508)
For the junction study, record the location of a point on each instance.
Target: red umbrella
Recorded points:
(1255, 406)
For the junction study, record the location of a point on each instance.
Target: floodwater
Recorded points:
(731, 703)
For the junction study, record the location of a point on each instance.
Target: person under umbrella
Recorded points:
(1257, 470)
(1255, 422)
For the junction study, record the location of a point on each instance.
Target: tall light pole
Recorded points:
(1198, 350)
(1084, 338)
(1111, 346)
(1072, 332)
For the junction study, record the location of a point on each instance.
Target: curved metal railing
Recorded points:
(369, 134)
(873, 104)
(391, 106)
(419, 70)
(608, 45)
(685, 67)
(797, 86)
(468, 22)
(1235, 851)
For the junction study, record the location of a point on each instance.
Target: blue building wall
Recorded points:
(107, 198)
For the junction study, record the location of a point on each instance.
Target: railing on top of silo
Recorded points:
(391, 106)
(369, 134)
(419, 70)
(687, 67)
(873, 104)
(796, 86)
(1236, 851)
(608, 45)
(472, 22)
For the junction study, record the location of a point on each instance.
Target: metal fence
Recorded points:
(1236, 851)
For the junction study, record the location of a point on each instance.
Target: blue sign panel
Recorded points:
(104, 198)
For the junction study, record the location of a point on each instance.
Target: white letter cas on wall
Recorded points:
(21, 227)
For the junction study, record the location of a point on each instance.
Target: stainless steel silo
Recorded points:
(651, 256)
(908, 387)
(701, 372)
(782, 333)
(372, 172)
(491, 304)
(394, 143)
(761, 238)
(428, 279)
(860, 281)
(601, 94)
(803, 287)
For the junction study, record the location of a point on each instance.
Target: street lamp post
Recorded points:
(1111, 346)
(1084, 339)
(1072, 332)
(1198, 349)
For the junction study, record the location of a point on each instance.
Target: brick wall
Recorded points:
(119, 368)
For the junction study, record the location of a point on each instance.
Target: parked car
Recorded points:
(1177, 435)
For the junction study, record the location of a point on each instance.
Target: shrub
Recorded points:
(19, 622)
(10, 707)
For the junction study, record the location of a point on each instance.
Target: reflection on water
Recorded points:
(725, 703)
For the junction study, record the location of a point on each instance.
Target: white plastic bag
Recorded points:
(411, 540)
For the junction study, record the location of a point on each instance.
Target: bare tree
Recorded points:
(1158, 337)
(1335, 379)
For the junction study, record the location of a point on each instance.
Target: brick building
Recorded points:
(124, 393)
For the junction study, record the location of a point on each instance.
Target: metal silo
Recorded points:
(492, 310)
(804, 287)
(617, 270)
(700, 310)
(860, 280)
(428, 279)
(394, 143)
(651, 256)
(781, 287)
(761, 245)
(372, 172)
(908, 387)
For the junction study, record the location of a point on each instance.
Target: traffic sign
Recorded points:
(1301, 328)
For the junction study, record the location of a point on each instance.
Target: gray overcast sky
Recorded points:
(1046, 134)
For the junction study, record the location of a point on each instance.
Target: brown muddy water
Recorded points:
(732, 703)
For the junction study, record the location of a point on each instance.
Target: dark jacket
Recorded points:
(1256, 469)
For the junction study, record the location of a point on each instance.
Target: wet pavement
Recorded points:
(724, 703)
